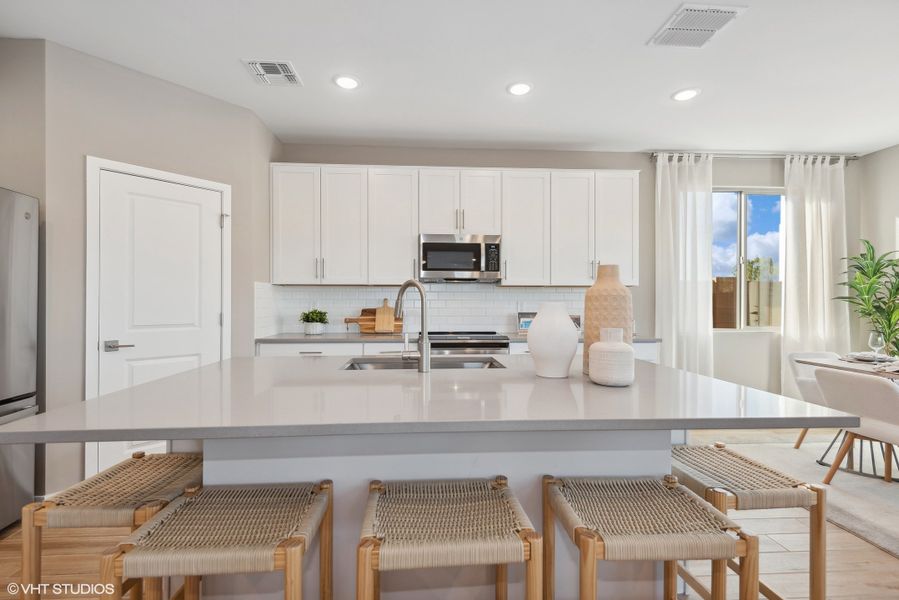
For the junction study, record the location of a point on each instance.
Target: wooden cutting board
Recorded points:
(384, 318)
(366, 322)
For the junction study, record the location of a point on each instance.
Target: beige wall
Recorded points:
(643, 295)
(879, 189)
(93, 107)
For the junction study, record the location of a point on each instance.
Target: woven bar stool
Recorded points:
(226, 530)
(641, 519)
(124, 495)
(448, 523)
(730, 480)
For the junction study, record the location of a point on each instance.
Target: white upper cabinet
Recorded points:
(572, 228)
(344, 225)
(439, 200)
(392, 225)
(481, 202)
(617, 222)
(295, 219)
(526, 228)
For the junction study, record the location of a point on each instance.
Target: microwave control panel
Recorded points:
(491, 260)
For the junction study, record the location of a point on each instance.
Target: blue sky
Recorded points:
(763, 235)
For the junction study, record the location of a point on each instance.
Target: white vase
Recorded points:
(611, 359)
(552, 340)
(314, 328)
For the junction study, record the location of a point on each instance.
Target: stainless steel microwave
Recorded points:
(450, 257)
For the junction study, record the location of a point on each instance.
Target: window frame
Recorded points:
(742, 236)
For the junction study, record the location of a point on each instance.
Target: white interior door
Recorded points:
(160, 301)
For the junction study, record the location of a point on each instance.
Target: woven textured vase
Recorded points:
(606, 305)
(611, 359)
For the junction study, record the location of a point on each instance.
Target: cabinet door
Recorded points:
(617, 222)
(344, 226)
(481, 203)
(572, 228)
(392, 225)
(438, 204)
(526, 230)
(295, 218)
(307, 349)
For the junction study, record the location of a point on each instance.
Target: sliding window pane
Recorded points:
(763, 260)
(725, 252)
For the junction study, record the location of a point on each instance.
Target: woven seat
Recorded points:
(753, 484)
(445, 523)
(229, 529)
(729, 480)
(640, 519)
(124, 495)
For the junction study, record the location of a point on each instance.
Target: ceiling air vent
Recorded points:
(693, 25)
(273, 72)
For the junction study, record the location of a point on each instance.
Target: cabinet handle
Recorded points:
(315, 261)
(463, 218)
(414, 265)
(456, 226)
(310, 352)
(323, 268)
(505, 269)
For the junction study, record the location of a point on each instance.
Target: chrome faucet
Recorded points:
(424, 344)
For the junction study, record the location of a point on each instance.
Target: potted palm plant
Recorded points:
(874, 284)
(314, 321)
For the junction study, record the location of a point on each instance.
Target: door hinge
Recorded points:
(222, 219)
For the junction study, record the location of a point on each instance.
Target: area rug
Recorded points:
(864, 506)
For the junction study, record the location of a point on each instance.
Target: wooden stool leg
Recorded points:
(888, 462)
(718, 499)
(749, 569)
(326, 545)
(670, 580)
(586, 543)
(137, 592)
(293, 568)
(841, 454)
(108, 576)
(365, 572)
(800, 439)
(31, 552)
(502, 582)
(549, 542)
(152, 588)
(192, 588)
(817, 568)
(533, 587)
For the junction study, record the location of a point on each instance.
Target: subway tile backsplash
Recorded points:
(452, 306)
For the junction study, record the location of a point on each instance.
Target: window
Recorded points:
(747, 253)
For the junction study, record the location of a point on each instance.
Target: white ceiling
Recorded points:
(797, 75)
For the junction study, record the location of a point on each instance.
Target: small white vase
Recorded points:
(552, 340)
(314, 328)
(611, 359)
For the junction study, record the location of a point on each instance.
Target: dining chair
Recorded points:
(804, 375)
(875, 400)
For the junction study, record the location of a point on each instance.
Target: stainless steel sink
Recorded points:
(377, 363)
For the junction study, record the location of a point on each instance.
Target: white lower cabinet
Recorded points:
(648, 351)
(304, 349)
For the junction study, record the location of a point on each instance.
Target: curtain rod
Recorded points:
(779, 155)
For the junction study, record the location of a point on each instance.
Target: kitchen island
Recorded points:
(265, 420)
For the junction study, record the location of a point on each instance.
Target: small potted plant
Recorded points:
(314, 321)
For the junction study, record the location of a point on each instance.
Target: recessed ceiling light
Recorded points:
(519, 89)
(684, 95)
(346, 82)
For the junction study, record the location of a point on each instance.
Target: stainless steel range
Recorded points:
(468, 342)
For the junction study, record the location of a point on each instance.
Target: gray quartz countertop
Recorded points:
(356, 337)
(306, 396)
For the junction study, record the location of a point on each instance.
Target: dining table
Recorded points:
(848, 365)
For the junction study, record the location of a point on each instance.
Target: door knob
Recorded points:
(114, 345)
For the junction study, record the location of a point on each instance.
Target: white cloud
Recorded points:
(724, 259)
(725, 214)
(766, 245)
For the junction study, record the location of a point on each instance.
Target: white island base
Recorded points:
(351, 461)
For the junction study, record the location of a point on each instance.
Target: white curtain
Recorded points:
(814, 228)
(684, 261)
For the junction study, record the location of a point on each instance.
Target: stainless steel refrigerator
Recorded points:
(18, 344)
